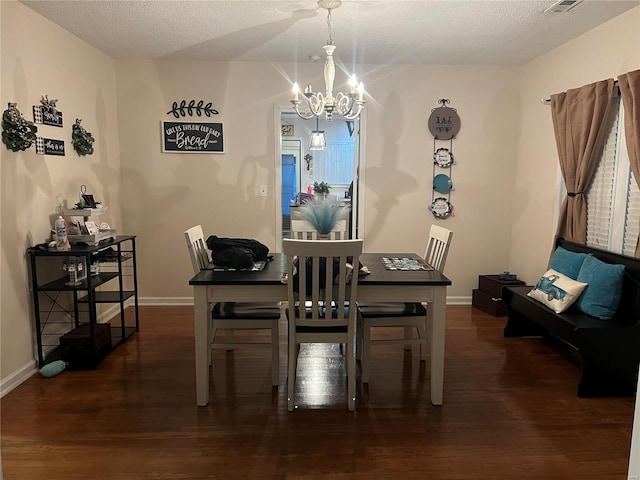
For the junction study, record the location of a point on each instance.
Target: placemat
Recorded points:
(403, 263)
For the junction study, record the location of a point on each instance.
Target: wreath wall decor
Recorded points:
(17, 133)
(81, 140)
(183, 108)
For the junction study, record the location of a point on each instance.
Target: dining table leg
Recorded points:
(201, 326)
(436, 324)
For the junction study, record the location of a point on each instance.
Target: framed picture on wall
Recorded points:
(287, 130)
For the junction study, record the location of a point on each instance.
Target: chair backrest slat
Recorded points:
(197, 248)
(310, 304)
(302, 230)
(438, 247)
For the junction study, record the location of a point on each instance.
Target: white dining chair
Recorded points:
(411, 316)
(302, 230)
(230, 316)
(321, 294)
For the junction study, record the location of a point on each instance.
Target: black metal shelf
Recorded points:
(108, 297)
(114, 261)
(61, 283)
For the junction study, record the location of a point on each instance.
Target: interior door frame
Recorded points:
(357, 202)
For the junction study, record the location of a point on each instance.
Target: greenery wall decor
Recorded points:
(81, 139)
(17, 133)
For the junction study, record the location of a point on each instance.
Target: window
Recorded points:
(613, 198)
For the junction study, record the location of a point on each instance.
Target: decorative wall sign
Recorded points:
(443, 158)
(441, 208)
(287, 130)
(47, 113)
(444, 124)
(49, 146)
(183, 109)
(17, 133)
(192, 137)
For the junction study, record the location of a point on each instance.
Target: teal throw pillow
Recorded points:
(566, 262)
(602, 297)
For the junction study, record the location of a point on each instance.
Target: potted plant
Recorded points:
(321, 188)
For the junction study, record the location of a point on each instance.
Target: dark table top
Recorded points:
(273, 271)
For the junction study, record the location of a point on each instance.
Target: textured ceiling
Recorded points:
(458, 32)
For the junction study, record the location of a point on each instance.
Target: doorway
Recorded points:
(298, 167)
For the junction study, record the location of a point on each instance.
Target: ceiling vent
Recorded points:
(562, 6)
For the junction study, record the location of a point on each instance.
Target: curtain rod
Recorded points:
(547, 101)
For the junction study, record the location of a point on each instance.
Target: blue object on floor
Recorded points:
(52, 369)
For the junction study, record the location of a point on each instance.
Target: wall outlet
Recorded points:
(263, 190)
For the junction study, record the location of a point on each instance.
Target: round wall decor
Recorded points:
(444, 122)
(442, 183)
(443, 157)
(441, 208)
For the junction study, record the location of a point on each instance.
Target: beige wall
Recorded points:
(504, 143)
(39, 58)
(604, 52)
(164, 194)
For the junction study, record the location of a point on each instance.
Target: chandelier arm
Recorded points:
(307, 114)
(356, 114)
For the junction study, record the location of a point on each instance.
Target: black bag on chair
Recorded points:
(236, 252)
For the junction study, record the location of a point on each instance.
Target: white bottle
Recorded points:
(61, 234)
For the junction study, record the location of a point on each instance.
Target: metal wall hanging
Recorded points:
(17, 133)
(47, 113)
(444, 125)
(183, 109)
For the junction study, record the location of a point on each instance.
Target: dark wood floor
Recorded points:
(510, 412)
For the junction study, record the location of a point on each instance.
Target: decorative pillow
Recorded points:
(557, 291)
(602, 296)
(566, 262)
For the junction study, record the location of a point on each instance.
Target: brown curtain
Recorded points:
(629, 84)
(579, 116)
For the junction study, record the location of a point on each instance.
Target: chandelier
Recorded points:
(349, 105)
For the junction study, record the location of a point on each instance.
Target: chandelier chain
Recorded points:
(329, 26)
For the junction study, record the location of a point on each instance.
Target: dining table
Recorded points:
(383, 283)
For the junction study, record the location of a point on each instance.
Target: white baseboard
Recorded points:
(165, 301)
(17, 377)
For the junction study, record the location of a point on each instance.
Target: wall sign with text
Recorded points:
(47, 113)
(192, 137)
(49, 146)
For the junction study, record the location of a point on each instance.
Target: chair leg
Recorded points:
(229, 339)
(366, 350)
(422, 333)
(408, 333)
(359, 329)
(211, 340)
(275, 355)
(291, 374)
(351, 377)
